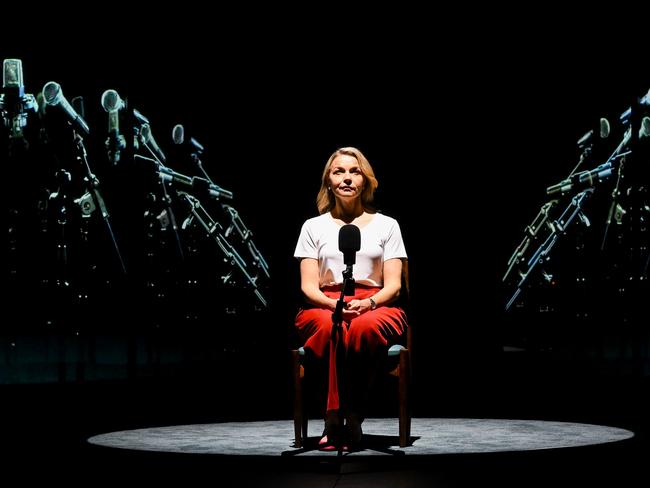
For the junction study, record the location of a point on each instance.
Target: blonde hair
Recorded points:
(325, 200)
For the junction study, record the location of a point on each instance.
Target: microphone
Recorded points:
(583, 179)
(349, 242)
(53, 95)
(644, 131)
(178, 136)
(12, 77)
(140, 119)
(79, 106)
(14, 103)
(199, 185)
(148, 140)
(603, 133)
(112, 103)
(625, 116)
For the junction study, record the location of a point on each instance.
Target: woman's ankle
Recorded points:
(333, 421)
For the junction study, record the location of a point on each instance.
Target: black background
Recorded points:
(465, 130)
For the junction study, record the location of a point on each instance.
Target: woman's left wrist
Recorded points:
(373, 303)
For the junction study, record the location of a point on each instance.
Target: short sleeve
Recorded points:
(306, 246)
(394, 245)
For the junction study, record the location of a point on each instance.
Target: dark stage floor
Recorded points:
(46, 430)
(430, 436)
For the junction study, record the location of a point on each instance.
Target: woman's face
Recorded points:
(345, 177)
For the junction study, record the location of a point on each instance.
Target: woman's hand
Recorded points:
(355, 307)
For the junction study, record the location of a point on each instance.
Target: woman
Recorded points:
(370, 320)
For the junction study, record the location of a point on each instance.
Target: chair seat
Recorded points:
(393, 351)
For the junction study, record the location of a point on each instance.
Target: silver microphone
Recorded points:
(53, 95)
(112, 103)
(14, 103)
(148, 140)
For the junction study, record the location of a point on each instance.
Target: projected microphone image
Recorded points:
(53, 96)
(116, 142)
(15, 104)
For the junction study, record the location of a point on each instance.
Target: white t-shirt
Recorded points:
(381, 239)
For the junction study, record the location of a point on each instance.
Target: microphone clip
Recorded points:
(15, 111)
(348, 281)
(115, 144)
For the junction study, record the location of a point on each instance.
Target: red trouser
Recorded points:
(365, 339)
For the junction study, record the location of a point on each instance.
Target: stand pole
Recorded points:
(93, 189)
(337, 337)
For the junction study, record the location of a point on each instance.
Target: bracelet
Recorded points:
(373, 304)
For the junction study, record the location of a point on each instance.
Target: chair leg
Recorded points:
(299, 422)
(404, 413)
(304, 426)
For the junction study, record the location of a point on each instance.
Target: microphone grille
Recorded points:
(12, 73)
(604, 128)
(111, 101)
(51, 92)
(349, 238)
(178, 134)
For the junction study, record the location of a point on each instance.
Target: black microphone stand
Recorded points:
(165, 218)
(60, 198)
(558, 228)
(93, 199)
(167, 202)
(90, 201)
(236, 223)
(214, 230)
(347, 289)
(115, 144)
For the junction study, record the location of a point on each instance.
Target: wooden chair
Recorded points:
(399, 361)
